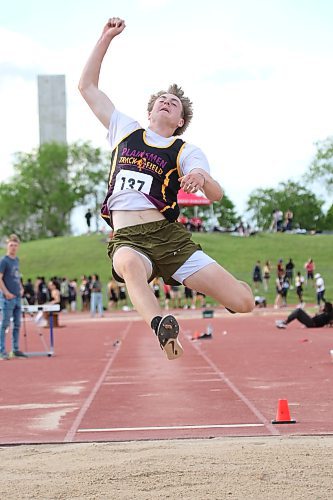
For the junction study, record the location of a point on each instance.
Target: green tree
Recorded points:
(225, 212)
(328, 223)
(89, 170)
(321, 168)
(261, 205)
(47, 184)
(307, 209)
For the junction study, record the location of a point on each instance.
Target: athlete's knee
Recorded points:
(127, 263)
(124, 262)
(246, 299)
(247, 305)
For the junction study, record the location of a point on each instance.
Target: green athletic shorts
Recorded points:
(167, 245)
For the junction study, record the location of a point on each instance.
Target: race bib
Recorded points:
(127, 179)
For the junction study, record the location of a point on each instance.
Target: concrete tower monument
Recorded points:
(52, 109)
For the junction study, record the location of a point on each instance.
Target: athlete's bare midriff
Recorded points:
(125, 218)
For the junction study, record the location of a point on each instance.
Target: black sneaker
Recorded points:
(167, 333)
(17, 354)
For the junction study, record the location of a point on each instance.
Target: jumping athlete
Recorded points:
(148, 167)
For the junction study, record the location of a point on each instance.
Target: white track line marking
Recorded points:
(84, 408)
(236, 391)
(171, 428)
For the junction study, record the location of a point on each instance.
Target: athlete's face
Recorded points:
(168, 108)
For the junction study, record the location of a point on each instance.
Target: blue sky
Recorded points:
(260, 75)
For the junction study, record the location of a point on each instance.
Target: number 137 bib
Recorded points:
(127, 179)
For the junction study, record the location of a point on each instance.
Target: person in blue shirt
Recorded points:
(11, 291)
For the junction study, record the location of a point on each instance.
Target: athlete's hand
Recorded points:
(113, 27)
(192, 182)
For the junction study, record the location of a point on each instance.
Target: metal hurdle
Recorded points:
(31, 309)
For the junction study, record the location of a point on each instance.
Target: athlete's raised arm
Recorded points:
(99, 102)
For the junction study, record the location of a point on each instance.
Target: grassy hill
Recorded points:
(75, 256)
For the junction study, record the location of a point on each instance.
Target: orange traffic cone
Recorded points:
(283, 414)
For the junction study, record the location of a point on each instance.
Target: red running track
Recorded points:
(97, 389)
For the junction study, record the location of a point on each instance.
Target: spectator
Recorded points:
(279, 292)
(29, 292)
(196, 224)
(323, 318)
(113, 292)
(240, 229)
(260, 301)
(55, 295)
(309, 266)
(55, 298)
(184, 221)
(156, 286)
(273, 226)
(88, 217)
(11, 291)
(299, 281)
(85, 293)
(176, 296)
(72, 289)
(288, 220)
(189, 298)
(201, 297)
(257, 276)
(96, 298)
(42, 291)
(167, 295)
(290, 271)
(320, 289)
(123, 296)
(64, 291)
(285, 288)
(279, 220)
(280, 269)
(267, 274)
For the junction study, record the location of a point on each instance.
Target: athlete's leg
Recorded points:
(135, 269)
(215, 281)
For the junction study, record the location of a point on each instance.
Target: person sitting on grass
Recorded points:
(324, 317)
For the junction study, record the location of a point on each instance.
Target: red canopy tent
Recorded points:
(191, 199)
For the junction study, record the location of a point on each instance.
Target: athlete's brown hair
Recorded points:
(187, 109)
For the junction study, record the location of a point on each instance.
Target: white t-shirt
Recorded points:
(320, 284)
(299, 280)
(120, 126)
